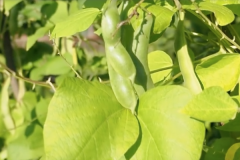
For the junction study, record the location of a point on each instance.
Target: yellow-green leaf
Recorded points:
(211, 105)
(158, 60)
(222, 70)
(77, 22)
(223, 15)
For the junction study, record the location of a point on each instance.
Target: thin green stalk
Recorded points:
(16, 75)
(216, 28)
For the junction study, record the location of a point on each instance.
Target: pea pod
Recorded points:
(121, 61)
(120, 65)
(119, 58)
(143, 79)
(110, 20)
(185, 63)
(123, 90)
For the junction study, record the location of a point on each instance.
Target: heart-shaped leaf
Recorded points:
(85, 121)
(78, 22)
(212, 105)
(215, 71)
(167, 134)
(158, 60)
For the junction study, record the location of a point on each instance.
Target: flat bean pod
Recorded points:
(118, 56)
(123, 90)
(121, 68)
(140, 44)
(121, 61)
(110, 20)
(185, 63)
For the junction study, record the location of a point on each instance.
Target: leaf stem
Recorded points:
(16, 75)
(59, 53)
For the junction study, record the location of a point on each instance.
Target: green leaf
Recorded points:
(55, 11)
(41, 110)
(223, 15)
(218, 149)
(38, 34)
(211, 105)
(165, 133)
(27, 143)
(29, 102)
(89, 122)
(53, 66)
(163, 17)
(233, 152)
(156, 61)
(77, 22)
(215, 71)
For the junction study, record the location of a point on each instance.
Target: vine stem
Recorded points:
(16, 75)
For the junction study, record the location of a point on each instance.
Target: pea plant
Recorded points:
(170, 88)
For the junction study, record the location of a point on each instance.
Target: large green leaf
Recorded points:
(77, 22)
(165, 133)
(222, 70)
(86, 122)
(156, 61)
(212, 105)
(223, 15)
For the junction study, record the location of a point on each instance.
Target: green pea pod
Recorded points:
(185, 63)
(119, 58)
(121, 67)
(140, 43)
(110, 21)
(123, 89)
(121, 61)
